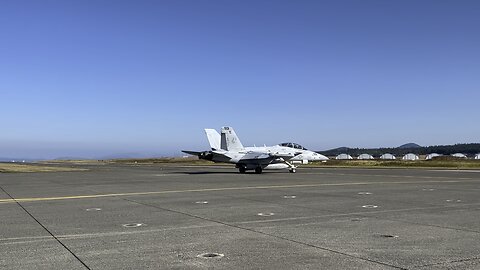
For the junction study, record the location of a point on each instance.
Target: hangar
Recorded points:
(459, 155)
(410, 156)
(365, 156)
(343, 157)
(387, 156)
(431, 156)
(477, 156)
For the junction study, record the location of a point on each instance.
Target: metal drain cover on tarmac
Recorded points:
(387, 236)
(210, 255)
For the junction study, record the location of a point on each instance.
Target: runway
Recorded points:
(189, 217)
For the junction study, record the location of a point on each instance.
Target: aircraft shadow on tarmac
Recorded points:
(213, 172)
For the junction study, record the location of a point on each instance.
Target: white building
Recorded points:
(431, 156)
(410, 156)
(477, 156)
(459, 155)
(344, 157)
(387, 156)
(365, 156)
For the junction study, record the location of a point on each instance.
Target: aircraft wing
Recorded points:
(260, 157)
(284, 155)
(266, 157)
(256, 156)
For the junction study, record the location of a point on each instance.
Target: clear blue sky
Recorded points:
(93, 78)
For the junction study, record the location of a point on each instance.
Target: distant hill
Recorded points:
(70, 158)
(409, 145)
(470, 149)
(340, 150)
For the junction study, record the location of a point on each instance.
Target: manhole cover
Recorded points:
(364, 193)
(202, 202)
(210, 255)
(289, 196)
(265, 214)
(369, 206)
(133, 225)
(388, 236)
(93, 209)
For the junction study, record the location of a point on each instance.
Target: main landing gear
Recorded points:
(243, 169)
(258, 170)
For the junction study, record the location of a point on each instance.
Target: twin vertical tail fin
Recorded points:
(213, 138)
(229, 140)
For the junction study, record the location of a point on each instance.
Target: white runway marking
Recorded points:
(28, 239)
(202, 202)
(369, 206)
(463, 180)
(266, 214)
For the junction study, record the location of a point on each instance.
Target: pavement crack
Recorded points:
(266, 234)
(367, 214)
(46, 229)
(422, 224)
(445, 263)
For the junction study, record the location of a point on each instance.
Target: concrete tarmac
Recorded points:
(187, 217)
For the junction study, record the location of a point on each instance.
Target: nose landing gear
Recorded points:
(292, 167)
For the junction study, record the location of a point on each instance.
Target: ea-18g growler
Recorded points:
(227, 148)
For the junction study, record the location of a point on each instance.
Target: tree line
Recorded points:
(469, 149)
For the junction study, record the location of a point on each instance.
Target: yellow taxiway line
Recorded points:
(217, 189)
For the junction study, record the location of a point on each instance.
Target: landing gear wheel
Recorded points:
(242, 169)
(258, 170)
(293, 171)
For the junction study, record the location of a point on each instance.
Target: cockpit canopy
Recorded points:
(293, 145)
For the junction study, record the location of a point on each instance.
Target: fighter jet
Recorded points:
(227, 148)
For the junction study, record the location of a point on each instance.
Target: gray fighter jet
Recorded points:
(227, 148)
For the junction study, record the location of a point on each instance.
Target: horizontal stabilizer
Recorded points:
(193, 153)
(207, 155)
